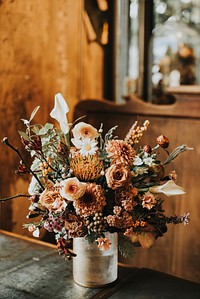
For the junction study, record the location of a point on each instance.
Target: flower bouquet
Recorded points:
(86, 182)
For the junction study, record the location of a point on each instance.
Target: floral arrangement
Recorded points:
(86, 182)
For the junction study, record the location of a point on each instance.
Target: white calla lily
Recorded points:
(169, 189)
(59, 112)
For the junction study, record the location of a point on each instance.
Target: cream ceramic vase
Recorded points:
(93, 267)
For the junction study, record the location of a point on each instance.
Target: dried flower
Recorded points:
(86, 168)
(54, 223)
(148, 200)
(120, 152)
(136, 132)
(92, 201)
(74, 226)
(120, 220)
(22, 169)
(86, 183)
(126, 197)
(52, 200)
(34, 230)
(147, 148)
(162, 141)
(103, 243)
(117, 176)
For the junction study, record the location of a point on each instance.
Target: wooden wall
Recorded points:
(44, 50)
(177, 252)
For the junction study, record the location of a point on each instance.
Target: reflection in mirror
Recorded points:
(174, 49)
(165, 55)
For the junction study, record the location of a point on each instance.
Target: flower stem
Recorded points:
(43, 157)
(14, 196)
(143, 189)
(6, 142)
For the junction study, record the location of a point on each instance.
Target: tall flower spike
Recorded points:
(136, 132)
(59, 112)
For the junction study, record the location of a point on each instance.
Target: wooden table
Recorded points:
(31, 269)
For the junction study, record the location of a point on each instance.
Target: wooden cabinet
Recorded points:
(177, 252)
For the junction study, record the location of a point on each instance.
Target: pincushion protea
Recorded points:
(86, 168)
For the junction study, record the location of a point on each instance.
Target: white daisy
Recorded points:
(88, 147)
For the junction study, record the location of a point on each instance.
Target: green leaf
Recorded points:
(34, 113)
(126, 247)
(180, 149)
(24, 135)
(42, 131)
(45, 129)
(90, 237)
(49, 126)
(35, 129)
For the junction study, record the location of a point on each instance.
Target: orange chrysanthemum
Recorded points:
(91, 202)
(120, 151)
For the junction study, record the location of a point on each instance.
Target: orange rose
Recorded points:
(117, 176)
(84, 130)
(52, 200)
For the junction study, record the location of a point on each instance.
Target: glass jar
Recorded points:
(93, 267)
(175, 58)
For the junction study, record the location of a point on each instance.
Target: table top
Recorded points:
(32, 269)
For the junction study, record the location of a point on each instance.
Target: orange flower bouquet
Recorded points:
(85, 182)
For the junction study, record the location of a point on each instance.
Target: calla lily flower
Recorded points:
(169, 188)
(59, 112)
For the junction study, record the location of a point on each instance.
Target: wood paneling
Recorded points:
(177, 252)
(44, 50)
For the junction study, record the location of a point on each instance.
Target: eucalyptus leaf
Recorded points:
(126, 247)
(34, 113)
(45, 129)
(24, 135)
(90, 237)
(49, 126)
(42, 131)
(35, 129)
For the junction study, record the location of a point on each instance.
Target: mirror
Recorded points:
(160, 50)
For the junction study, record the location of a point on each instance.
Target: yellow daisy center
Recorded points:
(87, 147)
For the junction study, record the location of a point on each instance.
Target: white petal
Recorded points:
(169, 188)
(59, 112)
(36, 233)
(77, 142)
(137, 161)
